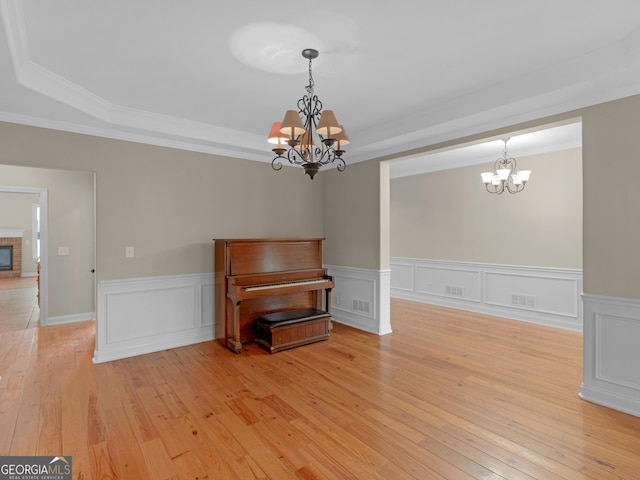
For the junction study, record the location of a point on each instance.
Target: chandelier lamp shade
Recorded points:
(308, 137)
(505, 177)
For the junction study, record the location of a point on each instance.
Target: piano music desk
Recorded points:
(293, 328)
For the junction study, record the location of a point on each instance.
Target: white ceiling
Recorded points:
(213, 76)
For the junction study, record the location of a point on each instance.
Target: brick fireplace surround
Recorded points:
(17, 255)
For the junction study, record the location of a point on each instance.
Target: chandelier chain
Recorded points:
(311, 83)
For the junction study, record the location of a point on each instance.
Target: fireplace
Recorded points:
(10, 252)
(6, 258)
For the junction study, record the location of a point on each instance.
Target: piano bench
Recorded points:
(291, 328)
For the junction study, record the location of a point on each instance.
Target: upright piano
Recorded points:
(254, 277)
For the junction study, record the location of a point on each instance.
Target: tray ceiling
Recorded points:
(213, 76)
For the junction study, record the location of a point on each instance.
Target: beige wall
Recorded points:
(352, 216)
(612, 199)
(448, 215)
(15, 212)
(168, 204)
(70, 220)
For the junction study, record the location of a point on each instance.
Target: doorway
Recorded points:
(67, 224)
(455, 244)
(19, 291)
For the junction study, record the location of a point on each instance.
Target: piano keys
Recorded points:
(284, 284)
(254, 277)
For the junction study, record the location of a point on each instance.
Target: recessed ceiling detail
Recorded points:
(403, 75)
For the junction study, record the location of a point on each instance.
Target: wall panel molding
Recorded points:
(546, 296)
(144, 315)
(360, 298)
(611, 355)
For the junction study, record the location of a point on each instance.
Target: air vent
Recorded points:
(453, 291)
(363, 306)
(522, 300)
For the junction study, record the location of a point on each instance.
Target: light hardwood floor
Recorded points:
(18, 303)
(448, 395)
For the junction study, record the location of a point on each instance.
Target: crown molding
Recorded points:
(211, 148)
(191, 134)
(602, 76)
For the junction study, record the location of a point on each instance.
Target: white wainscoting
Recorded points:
(360, 298)
(546, 296)
(143, 315)
(611, 373)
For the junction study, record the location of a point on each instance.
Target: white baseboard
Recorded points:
(360, 298)
(611, 376)
(76, 317)
(546, 296)
(144, 315)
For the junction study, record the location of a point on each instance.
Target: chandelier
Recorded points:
(313, 138)
(506, 176)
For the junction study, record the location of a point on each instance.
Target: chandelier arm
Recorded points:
(319, 155)
(291, 156)
(497, 189)
(516, 188)
(296, 156)
(276, 165)
(324, 154)
(310, 108)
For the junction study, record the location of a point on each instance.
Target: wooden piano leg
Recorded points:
(233, 343)
(327, 301)
(327, 295)
(234, 346)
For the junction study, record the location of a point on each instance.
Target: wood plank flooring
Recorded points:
(448, 395)
(18, 303)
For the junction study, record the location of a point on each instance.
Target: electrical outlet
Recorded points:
(129, 252)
